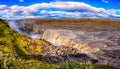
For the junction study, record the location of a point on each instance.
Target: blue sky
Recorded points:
(60, 9)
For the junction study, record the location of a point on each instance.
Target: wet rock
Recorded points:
(58, 54)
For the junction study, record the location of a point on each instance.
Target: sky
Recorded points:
(60, 9)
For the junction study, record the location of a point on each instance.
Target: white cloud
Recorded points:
(105, 1)
(59, 9)
(2, 7)
(75, 6)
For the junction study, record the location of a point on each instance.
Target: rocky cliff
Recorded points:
(104, 45)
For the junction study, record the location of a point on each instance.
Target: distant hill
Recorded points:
(82, 23)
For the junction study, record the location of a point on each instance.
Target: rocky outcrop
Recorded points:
(103, 45)
(44, 51)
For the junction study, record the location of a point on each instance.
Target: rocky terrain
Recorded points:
(46, 52)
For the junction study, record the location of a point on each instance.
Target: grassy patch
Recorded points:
(12, 52)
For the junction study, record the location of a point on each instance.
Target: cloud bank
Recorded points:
(57, 10)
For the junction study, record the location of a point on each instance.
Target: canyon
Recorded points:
(97, 40)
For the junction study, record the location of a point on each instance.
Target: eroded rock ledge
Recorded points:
(104, 45)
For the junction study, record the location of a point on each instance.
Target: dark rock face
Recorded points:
(58, 54)
(112, 57)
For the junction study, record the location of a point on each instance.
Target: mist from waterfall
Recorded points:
(17, 26)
